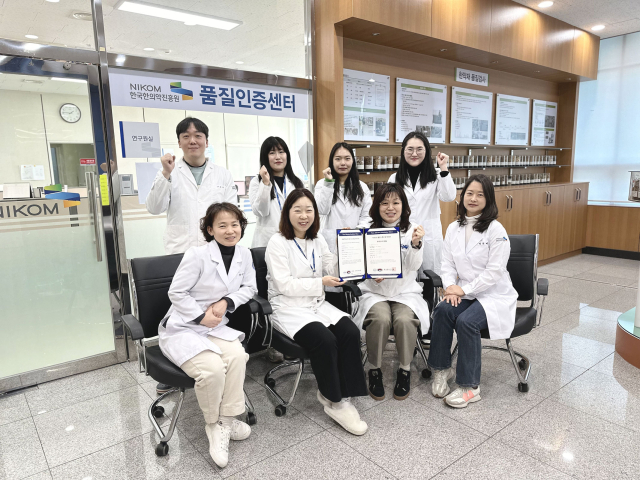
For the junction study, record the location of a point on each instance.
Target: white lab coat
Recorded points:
(342, 214)
(202, 279)
(480, 268)
(186, 203)
(296, 293)
(266, 210)
(406, 290)
(425, 211)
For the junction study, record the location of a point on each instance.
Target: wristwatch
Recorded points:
(419, 245)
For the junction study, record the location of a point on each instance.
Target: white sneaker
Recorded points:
(239, 430)
(274, 356)
(440, 386)
(323, 400)
(347, 416)
(461, 397)
(218, 443)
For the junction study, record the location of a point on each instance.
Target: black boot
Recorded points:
(403, 384)
(376, 388)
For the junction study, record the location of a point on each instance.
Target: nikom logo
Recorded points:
(176, 87)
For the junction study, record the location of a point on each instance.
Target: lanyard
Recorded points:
(284, 186)
(313, 255)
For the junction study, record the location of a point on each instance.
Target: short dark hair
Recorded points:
(213, 210)
(427, 170)
(269, 144)
(353, 191)
(286, 229)
(490, 211)
(198, 124)
(383, 192)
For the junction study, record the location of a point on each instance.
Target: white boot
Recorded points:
(440, 386)
(218, 443)
(347, 416)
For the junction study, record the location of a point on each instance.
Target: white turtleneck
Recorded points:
(468, 228)
(389, 225)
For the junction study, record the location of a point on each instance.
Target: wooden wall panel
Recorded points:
(410, 15)
(465, 22)
(515, 30)
(617, 228)
(555, 44)
(586, 48)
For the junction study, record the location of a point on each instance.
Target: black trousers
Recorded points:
(334, 352)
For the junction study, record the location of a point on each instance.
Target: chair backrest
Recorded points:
(522, 265)
(260, 265)
(152, 278)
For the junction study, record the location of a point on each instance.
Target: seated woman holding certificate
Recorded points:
(396, 302)
(300, 265)
(478, 293)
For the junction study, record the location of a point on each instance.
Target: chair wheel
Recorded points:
(158, 411)
(162, 449)
(426, 373)
(271, 383)
(251, 418)
(522, 364)
(281, 410)
(523, 387)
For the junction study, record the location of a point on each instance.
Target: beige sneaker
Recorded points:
(440, 385)
(461, 397)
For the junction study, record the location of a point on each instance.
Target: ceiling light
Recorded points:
(545, 4)
(443, 49)
(86, 16)
(568, 78)
(32, 46)
(148, 49)
(536, 71)
(53, 1)
(120, 59)
(64, 79)
(371, 80)
(239, 62)
(597, 27)
(375, 34)
(495, 61)
(183, 16)
(32, 37)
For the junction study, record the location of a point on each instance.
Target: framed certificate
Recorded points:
(382, 252)
(351, 262)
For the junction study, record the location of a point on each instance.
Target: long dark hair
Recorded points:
(427, 170)
(286, 229)
(386, 190)
(490, 211)
(269, 144)
(352, 188)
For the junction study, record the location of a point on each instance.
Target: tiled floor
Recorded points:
(581, 417)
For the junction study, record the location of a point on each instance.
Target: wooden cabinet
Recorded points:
(465, 22)
(448, 213)
(515, 30)
(586, 48)
(616, 228)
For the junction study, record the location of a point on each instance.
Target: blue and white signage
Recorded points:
(140, 139)
(136, 89)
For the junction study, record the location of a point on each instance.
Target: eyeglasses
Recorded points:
(418, 150)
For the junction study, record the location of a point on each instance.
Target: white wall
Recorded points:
(608, 133)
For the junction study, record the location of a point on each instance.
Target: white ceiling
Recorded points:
(618, 16)
(29, 83)
(270, 39)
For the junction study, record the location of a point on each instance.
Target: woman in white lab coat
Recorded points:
(342, 197)
(268, 190)
(212, 280)
(300, 265)
(425, 187)
(478, 295)
(397, 302)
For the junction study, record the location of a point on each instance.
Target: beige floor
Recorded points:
(581, 417)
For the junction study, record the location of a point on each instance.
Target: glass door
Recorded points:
(54, 282)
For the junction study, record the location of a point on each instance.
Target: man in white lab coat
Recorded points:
(185, 189)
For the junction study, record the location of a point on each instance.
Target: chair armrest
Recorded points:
(435, 278)
(259, 305)
(133, 326)
(353, 288)
(543, 286)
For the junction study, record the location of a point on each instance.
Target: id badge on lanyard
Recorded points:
(284, 186)
(313, 256)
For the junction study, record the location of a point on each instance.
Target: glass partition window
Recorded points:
(266, 37)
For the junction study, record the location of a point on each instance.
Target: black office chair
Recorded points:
(150, 281)
(281, 342)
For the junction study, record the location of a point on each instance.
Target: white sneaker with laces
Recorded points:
(239, 430)
(347, 417)
(218, 443)
(440, 386)
(461, 397)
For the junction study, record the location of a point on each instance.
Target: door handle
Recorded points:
(546, 202)
(93, 206)
(579, 194)
(507, 209)
(511, 206)
(550, 198)
(576, 197)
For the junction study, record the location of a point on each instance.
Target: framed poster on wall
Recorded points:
(471, 116)
(543, 123)
(366, 106)
(512, 120)
(422, 107)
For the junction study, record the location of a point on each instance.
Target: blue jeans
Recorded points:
(467, 319)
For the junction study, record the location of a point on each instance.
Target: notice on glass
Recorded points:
(512, 120)
(382, 252)
(471, 116)
(543, 123)
(421, 107)
(351, 262)
(366, 106)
